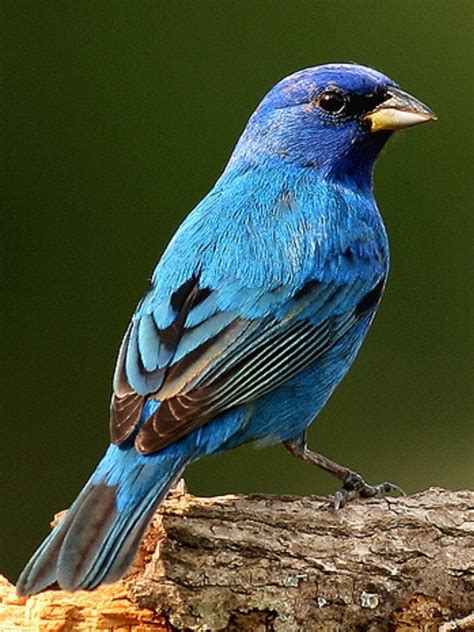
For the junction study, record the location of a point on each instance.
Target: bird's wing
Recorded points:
(208, 359)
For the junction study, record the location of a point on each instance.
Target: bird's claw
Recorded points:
(356, 487)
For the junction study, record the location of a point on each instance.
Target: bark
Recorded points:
(283, 564)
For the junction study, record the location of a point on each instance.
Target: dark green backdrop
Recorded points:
(119, 117)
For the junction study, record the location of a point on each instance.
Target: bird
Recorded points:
(254, 314)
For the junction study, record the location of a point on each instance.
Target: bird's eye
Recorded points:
(332, 102)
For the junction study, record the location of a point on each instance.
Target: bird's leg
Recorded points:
(353, 485)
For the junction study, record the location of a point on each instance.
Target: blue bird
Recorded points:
(256, 311)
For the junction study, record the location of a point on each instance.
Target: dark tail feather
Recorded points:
(40, 571)
(97, 540)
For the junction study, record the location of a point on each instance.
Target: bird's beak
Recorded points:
(398, 111)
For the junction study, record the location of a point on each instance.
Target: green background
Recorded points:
(118, 117)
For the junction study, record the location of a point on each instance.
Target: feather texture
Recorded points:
(255, 312)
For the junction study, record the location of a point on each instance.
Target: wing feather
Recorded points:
(206, 361)
(276, 360)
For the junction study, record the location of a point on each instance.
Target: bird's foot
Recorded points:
(356, 487)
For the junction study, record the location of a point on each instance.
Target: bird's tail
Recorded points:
(97, 540)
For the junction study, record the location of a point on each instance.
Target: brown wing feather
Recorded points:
(177, 417)
(125, 414)
(181, 413)
(127, 405)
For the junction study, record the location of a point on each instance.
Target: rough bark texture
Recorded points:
(283, 564)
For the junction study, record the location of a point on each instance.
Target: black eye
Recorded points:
(332, 102)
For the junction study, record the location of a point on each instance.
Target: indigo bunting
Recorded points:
(255, 313)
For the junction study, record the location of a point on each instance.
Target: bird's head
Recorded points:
(333, 118)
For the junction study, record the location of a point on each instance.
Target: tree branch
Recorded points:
(284, 564)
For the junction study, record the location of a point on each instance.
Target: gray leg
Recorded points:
(353, 484)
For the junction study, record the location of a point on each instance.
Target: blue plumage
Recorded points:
(256, 311)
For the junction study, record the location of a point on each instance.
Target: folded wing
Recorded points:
(199, 360)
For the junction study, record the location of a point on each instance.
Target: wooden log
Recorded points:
(283, 564)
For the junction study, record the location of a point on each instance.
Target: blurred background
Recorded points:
(118, 118)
